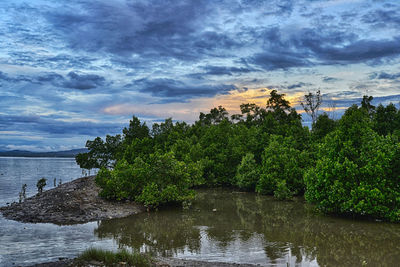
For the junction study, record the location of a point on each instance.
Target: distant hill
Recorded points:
(57, 154)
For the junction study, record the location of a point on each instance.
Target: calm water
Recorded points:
(244, 228)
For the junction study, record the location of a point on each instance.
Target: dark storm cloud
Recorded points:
(298, 85)
(52, 126)
(383, 17)
(59, 62)
(273, 61)
(150, 33)
(152, 29)
(83, 81)
(181, 50)
(16, 79)
(328, 79)
(309, 47)
(279, 7)
(384, 75)
(175, 89)
(184, 30)
(73, 80)
(220, 70)
(359, 51)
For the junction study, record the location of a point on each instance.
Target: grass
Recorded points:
(110, 258)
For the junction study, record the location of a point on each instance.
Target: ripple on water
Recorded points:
(245, 228)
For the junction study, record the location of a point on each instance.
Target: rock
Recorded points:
(95, 263)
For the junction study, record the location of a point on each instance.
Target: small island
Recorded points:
(70, 203)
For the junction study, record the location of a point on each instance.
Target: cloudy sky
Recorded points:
(73, 70)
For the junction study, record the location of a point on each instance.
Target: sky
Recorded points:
(76, 69)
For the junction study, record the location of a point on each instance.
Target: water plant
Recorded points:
(41, 183)
(22, 193)
(110, 258)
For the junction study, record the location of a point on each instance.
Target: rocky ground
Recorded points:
(69, 203)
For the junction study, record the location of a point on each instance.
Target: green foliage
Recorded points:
(41, 183)
(366, 104)
(281, 161)
(138, 148)
(85, 161)
(109, 258)
(323, 126)
(387, 119)
(162, 179)
(282, 192)
(166, 134)
(101, 154)
(247, 173)
(357, 171)
(350, 165)
(135, 130)
(126, 181)
(277, 101)
(215, 116)
(220, 169)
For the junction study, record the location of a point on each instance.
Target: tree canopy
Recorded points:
(348, 166)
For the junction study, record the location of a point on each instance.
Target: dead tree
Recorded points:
(311, 104)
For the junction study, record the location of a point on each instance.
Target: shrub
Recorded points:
(357, 172)
(282, 192)
(162, 179)
(41, 183)
(247, 173)
(281, 161)
(109, 258)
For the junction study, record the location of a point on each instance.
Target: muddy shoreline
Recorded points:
(78, 202)
(159, 262)
(70, 203)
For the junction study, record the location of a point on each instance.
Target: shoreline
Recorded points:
(74, 202)
(77, 202)
(158, 262)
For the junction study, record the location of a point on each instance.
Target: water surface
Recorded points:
(244, 228)
(15, 171)
(249, 228)
(26, 243)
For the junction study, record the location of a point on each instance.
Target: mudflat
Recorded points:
(70, 203)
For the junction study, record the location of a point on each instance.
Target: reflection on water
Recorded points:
(256, 229)
(244, 228)
(26, 243)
